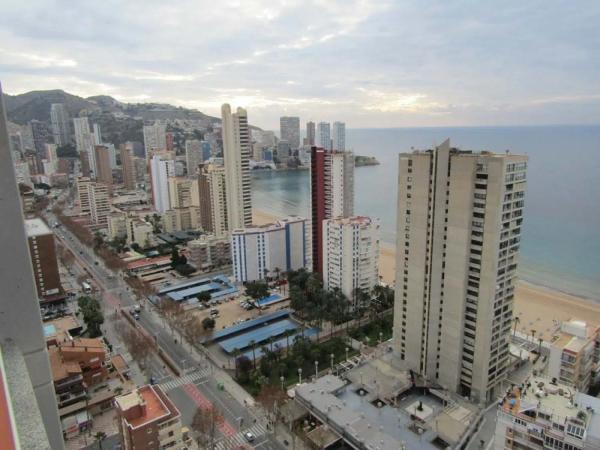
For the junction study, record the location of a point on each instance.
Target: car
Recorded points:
(249, 436)
(136, 316)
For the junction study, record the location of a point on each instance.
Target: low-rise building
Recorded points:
(138, 231)
(544, 414)
(209, 252)
(573, 354)
(149, 420)
(117, 225)
(180, 219)
(260, 250)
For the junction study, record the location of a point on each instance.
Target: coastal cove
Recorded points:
(561, 235)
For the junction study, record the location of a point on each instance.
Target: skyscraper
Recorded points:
(103, 166)
(155, 138)
(310, 133)
(194, 155)
(458, 231)
(60, 124)
(289, 129)
(40, 136)
(339, 136)
(236, 153)
(20, 322)
(213, 199)
(97, 135)
(161, 169)
(93, 199)
(351, 254)
(128, 167)
(83, 137)
(332, 194)
(43, 256)
(324, 135)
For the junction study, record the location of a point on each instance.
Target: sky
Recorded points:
(368, 63)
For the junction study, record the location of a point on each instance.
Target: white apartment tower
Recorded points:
(258, 251)
(93, 199)
(324, 135)
(84, 141)
(351, 254)
(236, 153)
(160, 171)
(339, 136)
(155, 138)
(458, 231)
(193, 156)
(60, 124)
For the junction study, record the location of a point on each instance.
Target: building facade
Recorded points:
(103, 164)
(155, 138)
(351, 255)
(194, 156)
(236, 153)
(339, 136)
(332, 194)
(324, 135)
(60, 124)
(42, 250)
(160, 171)
(310, 134)
(84, 141)
(209, 252)
(94, 199)
(212, 193)
(458, 235)
(128, 167)
(258, 251)
(289, 130)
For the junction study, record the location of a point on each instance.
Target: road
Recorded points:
(198, 386)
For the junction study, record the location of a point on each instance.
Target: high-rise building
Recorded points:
(128, 167)
(289, 130)
(43, 256)
(155, 138)
(324, 135)
(236, 153)
(257, 251)
(183, 192)
(84, 140)
(141, 169)
(351, 255)
(160, 171)
(103, 165)
(23, 350)
(40, 136)
(97, 135)
(310, 133)
(339, 136)
(332, 194)
(60, 124)
(458, 235)
(212, 192)
(149, 419)
(93, 199)
(194, 155)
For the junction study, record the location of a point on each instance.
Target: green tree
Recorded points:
(92, 315)
(208, 323)
(100, 436)
(257, 290)
(204, 297)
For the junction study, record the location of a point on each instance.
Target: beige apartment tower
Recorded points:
(128, 167)
(458, 236)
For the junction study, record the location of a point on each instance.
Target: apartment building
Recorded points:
(138, 231)
(181, 219)
(332, 194)
(458, 235)
(258, 251)
(289, 131)
(543, 414)
(573, 353)
(351, 255)
(103, 164)
(93, 200)
(117, 225)
(209, 252)
(212, 193)
(183, 192)
(149, 420)
(128, 167)
(155, 138)
(161, 169)
(43, 257)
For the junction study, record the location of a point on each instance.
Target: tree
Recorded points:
(517, 320)
(271, 397)
(92, 315)
(244, 367)
(174, 258)
(257, 290)
(204, 297)
(205, 423)
(100, 436)
(208, 323)
(253, 345)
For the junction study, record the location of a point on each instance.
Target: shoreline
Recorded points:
(535, 304)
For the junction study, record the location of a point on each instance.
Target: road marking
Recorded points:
(239, 439)
(194, 393)
(193, 377)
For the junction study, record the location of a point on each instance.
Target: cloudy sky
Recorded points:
(372, 64)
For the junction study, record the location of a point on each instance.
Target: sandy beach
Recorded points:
(538, 308)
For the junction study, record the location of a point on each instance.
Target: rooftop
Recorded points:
(36, 227)
(148, 402)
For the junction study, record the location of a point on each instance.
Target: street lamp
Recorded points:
(347, 349)
(380, 337)
(281, 378)
(300, 375)
(316, 369)
(183, 365)
(331, 356)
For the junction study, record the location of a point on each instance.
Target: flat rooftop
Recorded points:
(146, 397)
(379, 413)
(36, 227)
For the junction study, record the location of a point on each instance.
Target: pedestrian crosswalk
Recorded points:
(238, 440)
(192, 377)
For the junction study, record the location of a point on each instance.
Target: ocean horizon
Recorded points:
(561, 233)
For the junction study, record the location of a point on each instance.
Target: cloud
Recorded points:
(368, 63)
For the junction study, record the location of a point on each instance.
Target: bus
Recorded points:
(86, 287)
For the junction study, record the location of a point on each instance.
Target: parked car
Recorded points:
(249, 436)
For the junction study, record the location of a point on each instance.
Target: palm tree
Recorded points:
(277, 273)
(288, 333)
(517, 320)
(253, 345)
(266, 274)
(540, 346)
(100, 436)
(533, 335)
(236, 352)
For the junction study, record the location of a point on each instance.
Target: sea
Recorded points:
(561, 234)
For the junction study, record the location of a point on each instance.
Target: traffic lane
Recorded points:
(226, 403)
(167, 342)
(265, 442)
